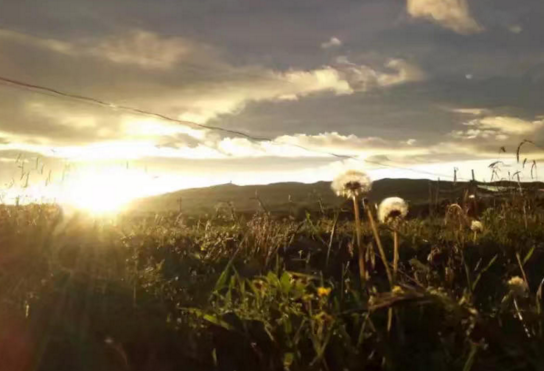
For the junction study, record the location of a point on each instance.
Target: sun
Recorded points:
(97, 198)
(104, 191)
(100, 189)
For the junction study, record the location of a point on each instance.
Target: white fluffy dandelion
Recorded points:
(518, 286)
(351, 184)
(476, 226)
(519, 289)
(391, 209)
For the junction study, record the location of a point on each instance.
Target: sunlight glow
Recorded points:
(108, 190)
(102, 191)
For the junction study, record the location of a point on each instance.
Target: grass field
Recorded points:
(237, 292)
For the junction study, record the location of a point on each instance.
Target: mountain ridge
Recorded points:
(283, 196)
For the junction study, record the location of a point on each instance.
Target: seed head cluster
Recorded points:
(392, 209)
(352, 184)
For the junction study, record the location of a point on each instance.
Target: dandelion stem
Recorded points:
(360, 247)
(395, 254)
(380, 246)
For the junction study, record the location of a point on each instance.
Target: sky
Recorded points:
(405, 88)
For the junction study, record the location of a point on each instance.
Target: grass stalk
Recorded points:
(522, 270)
(380, 246)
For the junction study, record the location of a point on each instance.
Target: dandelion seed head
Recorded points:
(517, 286)
(476, 226)
(391, 209)
(351, 184)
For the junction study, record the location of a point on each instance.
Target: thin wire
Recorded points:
(61, 94)
(100, 102)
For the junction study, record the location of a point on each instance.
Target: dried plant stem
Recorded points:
(360, 247)
(380, 246)
(525, 215)
(389, 319)
(518, 312)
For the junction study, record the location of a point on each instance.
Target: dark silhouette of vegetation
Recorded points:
(232, 292)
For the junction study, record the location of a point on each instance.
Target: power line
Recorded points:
(91, 100)
(103, 103)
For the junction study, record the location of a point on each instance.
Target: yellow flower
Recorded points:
(323, 291)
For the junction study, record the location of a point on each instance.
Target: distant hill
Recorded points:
(275, 197)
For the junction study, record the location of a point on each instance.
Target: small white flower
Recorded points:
(476, 226)
(517, 286)
(392, 208)
(351, 184)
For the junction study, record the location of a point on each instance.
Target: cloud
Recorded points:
(291, 85)
(406, 72)
(365, 78)
(43, 43)
(515, 29)
(450, 14)
(176, 142)
(300, 157)
(333, 42)
(470, 111)
(498, 128)
(178, 77)
(144, 49)
(136, 47)
(199, 84)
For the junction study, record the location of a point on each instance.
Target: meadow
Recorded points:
(232, 291)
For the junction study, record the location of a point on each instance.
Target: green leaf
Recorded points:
(222, 280)
(217, 321)
(210, 318)
(287, 326)
(483, 271)
(529, 254)
(285, 282)
(273, 279)
(314, 229)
